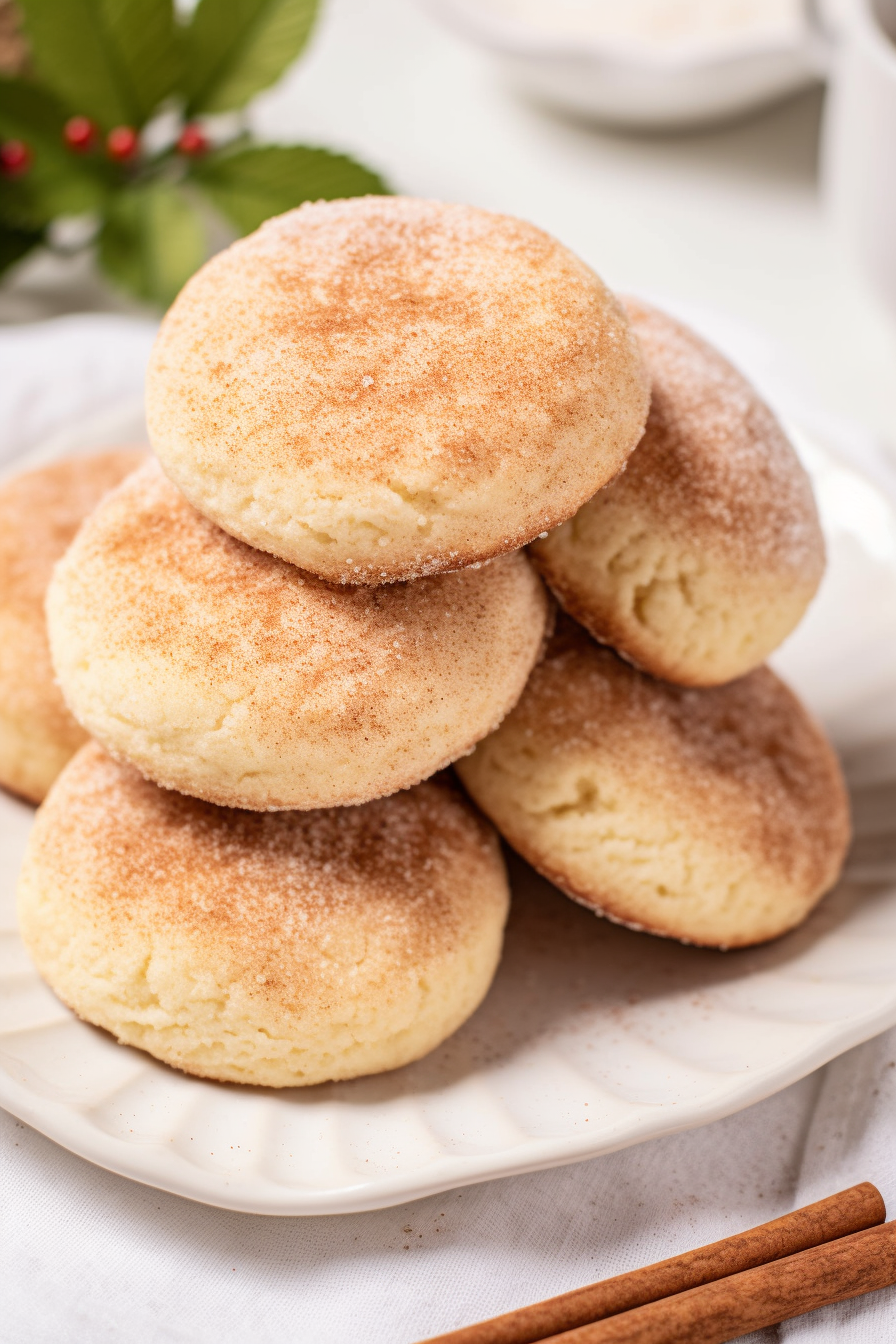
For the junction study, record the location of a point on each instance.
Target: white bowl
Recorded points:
(634, 84)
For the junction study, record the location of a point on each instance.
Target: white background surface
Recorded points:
(730, 219)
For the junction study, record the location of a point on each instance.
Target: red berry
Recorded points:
(79, 134)
(121, 143)
(192, 141)
(15, 158)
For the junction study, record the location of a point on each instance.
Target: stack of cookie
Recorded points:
(317, 597)
(694, 797)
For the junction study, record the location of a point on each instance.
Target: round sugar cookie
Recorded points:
(281, 949)
(702, 556)
(381, 388)
(715, 816)
(225, 673)
(40, 512)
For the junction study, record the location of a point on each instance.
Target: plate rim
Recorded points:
(388, 1192)
(65, 1123)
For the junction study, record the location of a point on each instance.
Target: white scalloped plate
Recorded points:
(592, 1037)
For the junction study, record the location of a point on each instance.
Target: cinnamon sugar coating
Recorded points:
(381, 388)
(228, 674)
(701, 557)
(40, 512)
(281, 949)
(715, 816)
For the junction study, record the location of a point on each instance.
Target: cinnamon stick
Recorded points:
(859, 1207)
(736, 1306)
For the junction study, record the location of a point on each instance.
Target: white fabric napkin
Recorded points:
(89, 1257)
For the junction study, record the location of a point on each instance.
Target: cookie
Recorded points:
(703, 555)
(40, 512)
(282, 949)
(716, 816)
(228, 674)
(382, 388)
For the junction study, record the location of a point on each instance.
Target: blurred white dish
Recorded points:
(71, 383)
(858, 156)
(592, 1038)
(608, 74)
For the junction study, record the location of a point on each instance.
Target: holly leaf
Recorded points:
(30, 110)
(56, 182)
(152, 240)
(235, 48)
(147, 44)
(252, 184)
(111, 60)
(14, 244)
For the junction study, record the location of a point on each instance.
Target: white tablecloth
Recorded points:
(89, 1257)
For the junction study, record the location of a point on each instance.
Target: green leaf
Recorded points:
(252, 184)
(153, 239)
(147, 44)
(235, 48)
(57, 182)
(34, 111)
(112, 60)
(14, 244)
